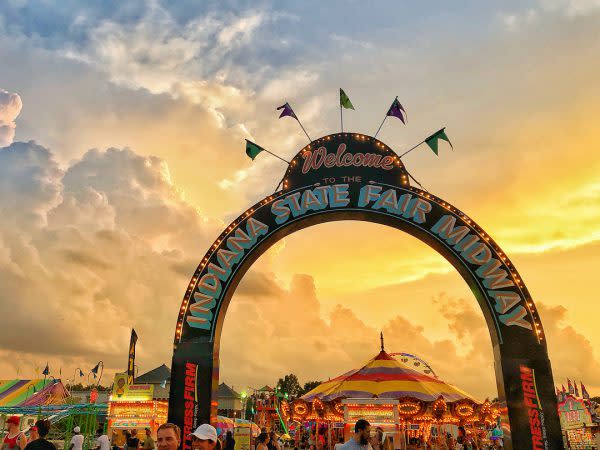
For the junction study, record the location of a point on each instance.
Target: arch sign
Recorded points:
(348, 176)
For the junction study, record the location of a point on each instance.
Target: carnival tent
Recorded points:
(225, 424)
(386, 377)
(32, 392)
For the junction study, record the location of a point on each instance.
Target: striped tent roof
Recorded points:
(386, 377)
(31, 392)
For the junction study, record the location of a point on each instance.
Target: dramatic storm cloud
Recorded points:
(129, 161)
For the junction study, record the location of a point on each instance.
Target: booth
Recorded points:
(133, 406)
(577, 422)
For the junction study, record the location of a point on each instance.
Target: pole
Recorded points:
(411, 149)
(300, 123)
(341, 117)
(377, 132)
(276, 156)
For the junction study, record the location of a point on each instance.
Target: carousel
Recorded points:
(401, 396)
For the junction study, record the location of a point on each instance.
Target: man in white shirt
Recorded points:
(76, 440)
(360, 440)
(102, 441)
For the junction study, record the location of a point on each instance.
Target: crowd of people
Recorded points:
(205, 437)
(367, 438)
(15, 439)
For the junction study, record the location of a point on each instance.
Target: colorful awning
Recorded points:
(31, 392)
(386, 377)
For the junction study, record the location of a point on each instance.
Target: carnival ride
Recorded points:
(49, 398)
(392, 393)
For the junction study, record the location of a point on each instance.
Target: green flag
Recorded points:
(252, 149)
(345, 101)
(432, 140)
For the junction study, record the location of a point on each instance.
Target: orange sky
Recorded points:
(96, 242)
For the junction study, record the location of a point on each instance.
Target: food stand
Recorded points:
(133, 406)
(577, 423)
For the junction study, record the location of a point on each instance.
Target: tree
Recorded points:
(289, 385)
(309, 386)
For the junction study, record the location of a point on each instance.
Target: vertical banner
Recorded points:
(194, 381)
(242, 436)
(131, 360)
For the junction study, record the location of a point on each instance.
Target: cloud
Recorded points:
(10, 107)
(89, 251)
(571, 7)
(163, 79)
(157, 51)
(272, 331)
(571, 353)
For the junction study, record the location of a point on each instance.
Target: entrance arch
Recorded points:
(348, 176)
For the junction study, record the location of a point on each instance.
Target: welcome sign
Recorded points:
(351, 176)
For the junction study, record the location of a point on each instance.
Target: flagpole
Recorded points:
(300, 123)
(341, 117)
(377, 132)
(276, 156)
(412, 148)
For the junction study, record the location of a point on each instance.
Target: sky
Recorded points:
(122, 127)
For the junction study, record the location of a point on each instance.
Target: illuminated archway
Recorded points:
(350, 176)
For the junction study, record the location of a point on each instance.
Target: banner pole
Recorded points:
(377, 132)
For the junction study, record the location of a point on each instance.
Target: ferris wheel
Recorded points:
(420, 364)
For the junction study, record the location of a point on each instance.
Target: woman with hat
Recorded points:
(205, 438)
(14, 439)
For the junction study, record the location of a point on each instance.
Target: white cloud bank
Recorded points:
(10, 107)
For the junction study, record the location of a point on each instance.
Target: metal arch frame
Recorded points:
(518, 353)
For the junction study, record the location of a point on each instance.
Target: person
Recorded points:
(321, 440)
(133, 441)
(340, 442)
(461, 439)
(43, 428)
(262, 441)
(76, 440)
(360, 440)
(272, 444)
(312, 440)
(33, 434)
(205, 438)
(497, 437)
(102, 441)
(14, 439)
(148, 442)
(168, 436)
(377, 439)
(229, 441)
(127, 436)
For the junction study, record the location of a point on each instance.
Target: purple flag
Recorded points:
(396, 110)
(287, 111)
(584, 392)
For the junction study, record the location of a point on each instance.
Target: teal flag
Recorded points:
(252, 149)
(432, 140)
(345, 100)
